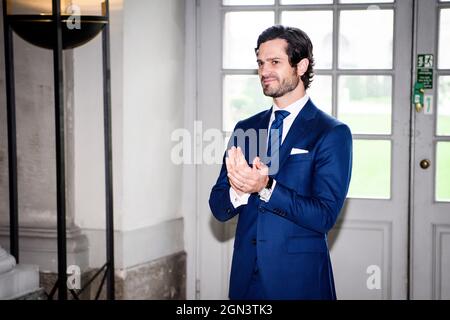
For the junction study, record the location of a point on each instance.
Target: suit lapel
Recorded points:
(262, 135)
(301, 126)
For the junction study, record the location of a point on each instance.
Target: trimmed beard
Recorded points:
(286, 86)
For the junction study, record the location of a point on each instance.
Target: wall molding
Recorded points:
(138, 246)
(38, 246)
(439, 231)
(385, 227)
(87, 249)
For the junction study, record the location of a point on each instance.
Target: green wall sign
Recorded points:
(425, 70)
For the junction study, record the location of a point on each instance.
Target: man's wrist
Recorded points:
(266, 182)
(238, 199)
(266, 192)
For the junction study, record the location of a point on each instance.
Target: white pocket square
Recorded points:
(298, 151)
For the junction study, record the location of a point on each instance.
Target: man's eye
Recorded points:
(275, 62)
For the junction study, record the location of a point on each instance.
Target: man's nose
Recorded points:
(265, 70)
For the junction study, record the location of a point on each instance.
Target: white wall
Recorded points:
(153, 108)
(189, 202)
(89, 155)
(147, 59)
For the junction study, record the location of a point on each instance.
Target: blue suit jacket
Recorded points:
(291, 229)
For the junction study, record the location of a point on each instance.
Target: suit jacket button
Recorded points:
(228, 210)
(261, 209)
(254, 241)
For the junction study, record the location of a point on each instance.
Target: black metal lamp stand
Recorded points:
(36, 29)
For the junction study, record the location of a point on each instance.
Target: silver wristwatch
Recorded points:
(266, 192)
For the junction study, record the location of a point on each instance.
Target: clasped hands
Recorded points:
(242, 177)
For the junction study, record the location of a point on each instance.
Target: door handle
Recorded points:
(425, 164)
(418, 97)
(419, 107)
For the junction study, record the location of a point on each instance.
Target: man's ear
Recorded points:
(302, 67)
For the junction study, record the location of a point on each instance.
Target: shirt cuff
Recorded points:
(237, 200)
(266, 198)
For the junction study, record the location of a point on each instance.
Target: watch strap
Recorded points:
(269, 183)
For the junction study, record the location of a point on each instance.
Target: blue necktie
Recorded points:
(277, 124)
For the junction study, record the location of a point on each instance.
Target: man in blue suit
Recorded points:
(287, 182)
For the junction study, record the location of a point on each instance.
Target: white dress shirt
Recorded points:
(293, 109)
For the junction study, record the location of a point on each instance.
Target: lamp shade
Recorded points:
(44, 7)
(81, 21)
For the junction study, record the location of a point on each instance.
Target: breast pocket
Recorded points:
(299, 157)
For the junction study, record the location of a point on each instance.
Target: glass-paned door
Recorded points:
(430, 229)
(363, 52)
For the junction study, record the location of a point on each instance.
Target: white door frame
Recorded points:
(430, 220)
(190, 173)
(389, 218)
(198, 106)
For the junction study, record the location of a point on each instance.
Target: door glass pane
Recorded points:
(365, 103)
(366, 1)
(306, 1)
(321, 34)
(444, 39)
(443, 172)
(247, 2)
(443, 118)
(242, 98)
(240, 36)
(371, 176)
(320, 92)
(366, 39)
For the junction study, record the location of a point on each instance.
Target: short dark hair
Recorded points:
(299, 47)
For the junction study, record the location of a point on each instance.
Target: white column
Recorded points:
(36, 164)
(7, 262)
(16, 280)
